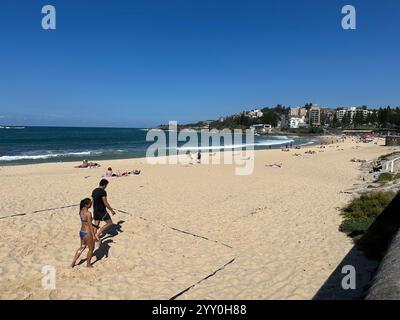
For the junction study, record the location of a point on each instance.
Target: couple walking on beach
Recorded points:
(91, 232)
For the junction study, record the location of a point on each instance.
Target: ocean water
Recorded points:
(23, 145)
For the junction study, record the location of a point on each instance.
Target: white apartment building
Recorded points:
(298, 112)
(314, 116)
(256, 113)
(295, 123)
(340, 113)
(265, 128)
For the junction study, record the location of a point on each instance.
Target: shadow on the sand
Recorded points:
(374, 243)
(365, 269)
(103, 250)
(113, 231)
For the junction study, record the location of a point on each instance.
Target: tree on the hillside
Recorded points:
(270, 117)
(358, 118)
(346, 121)
(335, 121)
(384, 116)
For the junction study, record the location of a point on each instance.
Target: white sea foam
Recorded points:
(15, 128)
(43, 156)
(241, 145)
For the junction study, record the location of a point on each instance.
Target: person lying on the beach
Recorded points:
(310, 152)
(285, 149)
(87, 234)
(110, 173)
(87, 164)
(274, 165)
(132, 173)
(357, 160)
(94, 165)
(84, 164)
(297, 155)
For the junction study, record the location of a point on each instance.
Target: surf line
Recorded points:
(178, 230)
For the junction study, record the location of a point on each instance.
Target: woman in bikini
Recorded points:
(87, 234)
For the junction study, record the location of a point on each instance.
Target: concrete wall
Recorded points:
(392, 140)
(386, 285)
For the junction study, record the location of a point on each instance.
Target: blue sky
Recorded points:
(141, 63)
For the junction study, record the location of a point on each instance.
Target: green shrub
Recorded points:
(368, 205)
(355, 227)
(360, 214)
(379, 235)
(386, 177)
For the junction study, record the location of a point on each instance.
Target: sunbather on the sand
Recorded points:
(110, 173)
(93, 165)
(274, 165)
(87, 164)
(134, 172)
(84, 164)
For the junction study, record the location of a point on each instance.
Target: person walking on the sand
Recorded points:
(87, 234)
(198, 156)
(100, 206)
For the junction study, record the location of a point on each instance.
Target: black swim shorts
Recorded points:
(101, 216)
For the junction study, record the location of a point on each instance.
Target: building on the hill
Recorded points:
(314, 116)
(295, 123)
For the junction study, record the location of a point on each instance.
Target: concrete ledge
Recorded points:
(386, 285)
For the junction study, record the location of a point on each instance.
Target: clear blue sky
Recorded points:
(141, 63)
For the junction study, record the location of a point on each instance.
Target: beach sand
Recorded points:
(270, 235)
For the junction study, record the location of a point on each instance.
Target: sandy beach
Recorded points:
(186, 231)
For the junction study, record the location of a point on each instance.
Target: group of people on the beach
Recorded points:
(91, 232)
(110, 173)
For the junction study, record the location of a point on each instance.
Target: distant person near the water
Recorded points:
(100, 206)
(87, 234)
(198, 157)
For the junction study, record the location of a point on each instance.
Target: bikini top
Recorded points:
(82, 219)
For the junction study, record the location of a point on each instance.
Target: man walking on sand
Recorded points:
(100, 206)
